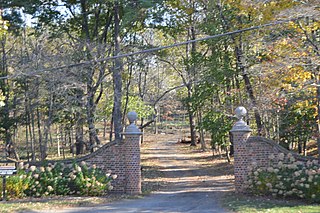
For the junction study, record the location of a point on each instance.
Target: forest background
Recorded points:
(67, 78)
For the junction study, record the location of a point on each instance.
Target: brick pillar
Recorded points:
(132, 156)
(241, 132)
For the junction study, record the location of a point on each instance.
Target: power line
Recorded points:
(157, 48)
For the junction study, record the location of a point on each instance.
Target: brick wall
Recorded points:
(110, 157)
(253, 150)
(249, 150)
(122, 157)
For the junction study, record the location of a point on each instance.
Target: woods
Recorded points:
(66, 87)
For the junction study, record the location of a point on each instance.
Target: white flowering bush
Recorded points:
(59, 179)
(286, 177)
(89, 181)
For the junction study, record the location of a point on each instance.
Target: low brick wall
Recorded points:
(110, 157)
(122, 157)
(259, 149)
(249, 150)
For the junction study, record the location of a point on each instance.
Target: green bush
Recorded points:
(58, 179)
(286, 177)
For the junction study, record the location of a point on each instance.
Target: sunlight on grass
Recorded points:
(55, 203)
(240, 203)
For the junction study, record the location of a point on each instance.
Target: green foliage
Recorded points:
(136, 104)
(219, 125)
(58, 179)
(286, 177)
(297, 121)
(3, 26)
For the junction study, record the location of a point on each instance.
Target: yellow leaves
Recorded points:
(305, 107)
(4, 25)
(2, 98)
(303, 104)
(305, 27)
(297, 74)
(284, 42)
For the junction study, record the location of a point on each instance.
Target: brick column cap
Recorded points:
(241, 126)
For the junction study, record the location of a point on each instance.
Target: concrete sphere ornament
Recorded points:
(240, 112)
(132, 116)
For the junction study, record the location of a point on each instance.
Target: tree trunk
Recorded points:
(227, 154)
(27, 142)
(156, 117)
(305, 147)
(93, 137)
(104, 128)
(127, 95)
(117, 80)
(111, 126)
(63, 143)
(142, 129)
(58, 142)
(27, 122)
(47, 127)
(254, 103)
(318, 116)
(191, 119)
(43, 151)
(202, 141)
(71, 145)
(79, 134)
(32, 133)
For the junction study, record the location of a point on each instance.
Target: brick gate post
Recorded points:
(241, 132)
(132, 156)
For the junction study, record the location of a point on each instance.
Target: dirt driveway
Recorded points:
(186, 179)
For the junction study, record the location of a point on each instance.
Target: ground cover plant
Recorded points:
(59, 179)
(286, 177)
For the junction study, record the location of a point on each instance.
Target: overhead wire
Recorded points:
(156, 48)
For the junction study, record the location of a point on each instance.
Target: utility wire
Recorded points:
(158, 48)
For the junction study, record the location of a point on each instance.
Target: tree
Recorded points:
(7, 121)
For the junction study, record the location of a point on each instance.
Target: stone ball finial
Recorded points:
(132, 129)
(240, 125)
(132, 117)
(240, 112)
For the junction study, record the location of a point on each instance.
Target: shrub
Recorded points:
(59, 179)
(286, 177)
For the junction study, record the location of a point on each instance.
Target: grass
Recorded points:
(245, 203)
(55, 203)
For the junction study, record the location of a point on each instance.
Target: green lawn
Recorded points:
(242, 203)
